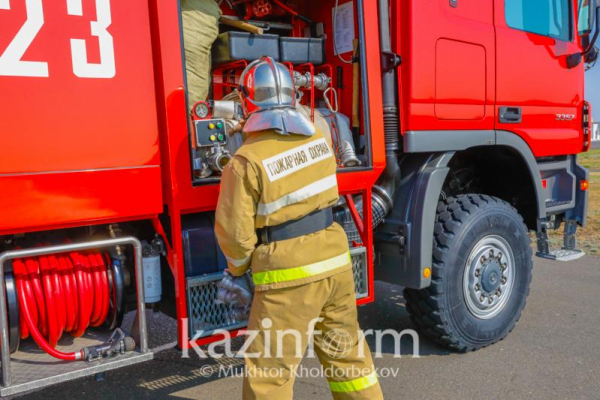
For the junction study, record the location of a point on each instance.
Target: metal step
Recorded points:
(562, 255)
(569, 252)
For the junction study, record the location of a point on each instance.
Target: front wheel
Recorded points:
(482, 262)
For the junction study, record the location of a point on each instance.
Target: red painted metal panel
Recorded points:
(533, 75)
(69, 118)
(460, 82)
(42, 201)
(419, 26)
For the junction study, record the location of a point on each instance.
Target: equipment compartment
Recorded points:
(328, 69)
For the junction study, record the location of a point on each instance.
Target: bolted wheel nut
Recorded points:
(477, 287)
(490, 300)
(477, 273)
(491, 253)
(503, 280)
(482, 259)
(482, 299)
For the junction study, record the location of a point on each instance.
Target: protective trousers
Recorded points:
(282, 318)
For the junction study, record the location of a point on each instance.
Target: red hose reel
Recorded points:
(64, 293)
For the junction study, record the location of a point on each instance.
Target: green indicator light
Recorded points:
(219, 125)
(221, 137)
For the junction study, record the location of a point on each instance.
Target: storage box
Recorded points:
(302, 50)
(202, 254)
(232, 46)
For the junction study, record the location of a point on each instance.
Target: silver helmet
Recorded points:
(268, 91)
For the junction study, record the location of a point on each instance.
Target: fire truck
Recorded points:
(456, 126)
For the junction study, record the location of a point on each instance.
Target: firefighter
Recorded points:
(274, 216)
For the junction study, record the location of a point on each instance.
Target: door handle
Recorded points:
(511, 115)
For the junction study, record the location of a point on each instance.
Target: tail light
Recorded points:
(584, 185)
(587, 125)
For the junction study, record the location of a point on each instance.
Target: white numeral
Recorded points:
(10, 62)
(106, 67)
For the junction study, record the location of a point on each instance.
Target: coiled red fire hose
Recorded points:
(61, 293)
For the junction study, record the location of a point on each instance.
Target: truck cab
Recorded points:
(493, 114)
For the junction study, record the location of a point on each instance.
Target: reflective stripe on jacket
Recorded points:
(273, 179)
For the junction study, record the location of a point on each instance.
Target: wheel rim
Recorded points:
(489, 277)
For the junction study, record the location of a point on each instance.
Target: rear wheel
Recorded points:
(482, 262)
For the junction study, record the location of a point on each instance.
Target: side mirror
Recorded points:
(574, 60)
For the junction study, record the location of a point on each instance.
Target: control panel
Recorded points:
(210, 153)
(210, 132)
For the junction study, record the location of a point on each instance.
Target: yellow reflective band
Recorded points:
(355, 384)
(292, 274)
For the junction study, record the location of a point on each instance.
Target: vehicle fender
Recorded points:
(404, 242)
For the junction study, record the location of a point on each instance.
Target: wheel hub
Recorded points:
(491, 277)
(488, 277)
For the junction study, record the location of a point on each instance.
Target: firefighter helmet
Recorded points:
(269, 99)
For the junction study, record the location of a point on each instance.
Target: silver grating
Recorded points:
(206, 315)
(359, 269)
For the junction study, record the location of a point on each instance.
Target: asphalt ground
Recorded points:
(552, 353)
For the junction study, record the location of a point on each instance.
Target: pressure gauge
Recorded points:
(201, 110)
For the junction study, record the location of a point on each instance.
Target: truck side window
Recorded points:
(583, 24)
(550, 18)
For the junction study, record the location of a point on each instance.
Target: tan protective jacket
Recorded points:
(273, 179)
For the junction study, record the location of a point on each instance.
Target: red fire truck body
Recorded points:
(96, 131)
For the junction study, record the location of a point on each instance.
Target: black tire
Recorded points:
(440, 311)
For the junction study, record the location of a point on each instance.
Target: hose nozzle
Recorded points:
(118, 343)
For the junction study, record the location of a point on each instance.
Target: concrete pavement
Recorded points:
(552, 353)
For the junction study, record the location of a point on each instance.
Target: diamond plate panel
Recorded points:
(32, 368)
(567, 255)
(359, 269)
(204, 313)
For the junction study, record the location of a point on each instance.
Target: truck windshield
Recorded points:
(583, 12)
